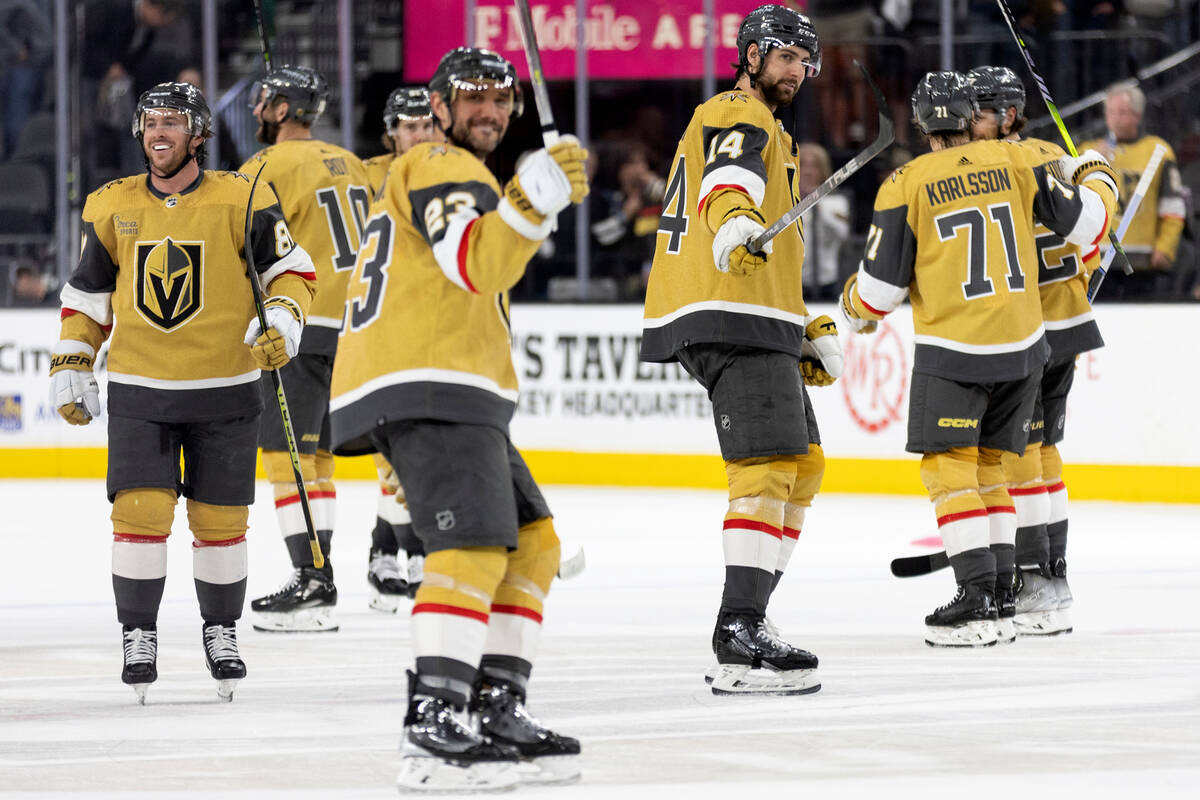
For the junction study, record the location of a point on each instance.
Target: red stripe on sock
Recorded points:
(1028, 491)
(520, 611)
(442, 608)
(137, 538)
(225, 543)
(791, 533)
(1001, 510)
(1057, 487)
(754, 525)
(322, 495)
(974, 512)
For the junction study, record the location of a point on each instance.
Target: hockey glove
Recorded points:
(856, 323)
(730, 251)
(540, 188)
(277, 345)
(1089, 165)
(572, 159)
(821, 360)
(73, 388)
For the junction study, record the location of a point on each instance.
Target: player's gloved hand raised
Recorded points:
(821, 360)
(280, 342)
(547, 181)
(856, 323)
(730, 251)
(73, 388)
(572, 159)
(1089, 165)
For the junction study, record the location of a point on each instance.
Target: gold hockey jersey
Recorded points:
(377, 168)
(167, 275)
(953, 230)
(732, 142)
(324, 192)
(1158, 223)
(427, 334)
(1063, 272)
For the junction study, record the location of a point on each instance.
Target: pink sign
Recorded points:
(624, 39)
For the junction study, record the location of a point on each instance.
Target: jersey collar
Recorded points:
(191, 187)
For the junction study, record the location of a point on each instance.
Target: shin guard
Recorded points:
(219, 559)
(142, 521)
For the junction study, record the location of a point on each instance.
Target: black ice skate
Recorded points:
(752, 659)
(222, 657)
(1058, 572)
(1006, 609)
(969, 620)
(140, 647)
(303, 604)
(1037, 603)
(388, 585)
(416, 574)
(441, 752)
(551, 758)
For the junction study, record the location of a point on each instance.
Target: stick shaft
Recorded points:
(541, 95)
(262, 34)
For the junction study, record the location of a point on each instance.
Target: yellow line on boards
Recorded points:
(1137, 483)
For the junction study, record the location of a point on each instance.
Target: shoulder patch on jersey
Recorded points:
(964, 161)
(730, 97)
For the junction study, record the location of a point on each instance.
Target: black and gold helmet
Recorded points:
(473, 69)
(304, 89)
(943, 102)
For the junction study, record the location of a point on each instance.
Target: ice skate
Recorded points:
(1058, 573)
(1006, 609)
(140, 646)
(416, 574)
(1037, 603)
(714, 665)
(387, 583)
(969, 620)
(549, 758)
(222, 658)
(752, 660)
(304, 604)
(442, 753)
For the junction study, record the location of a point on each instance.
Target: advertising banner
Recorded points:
(656, 39)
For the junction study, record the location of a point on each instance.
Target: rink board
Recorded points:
(592, 414)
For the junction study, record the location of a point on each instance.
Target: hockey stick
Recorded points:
(262, 34)
(541, 96)
(288, 432)
(886, 135)
(1062, 127)
(912, 566)
(1139, 192)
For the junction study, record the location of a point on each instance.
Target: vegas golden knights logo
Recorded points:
(169, 281)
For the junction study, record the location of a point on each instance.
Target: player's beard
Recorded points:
(776, 93)
(170, 168)
(267, 131)
(465, 136)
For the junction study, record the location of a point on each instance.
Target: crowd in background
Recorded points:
(132, 45)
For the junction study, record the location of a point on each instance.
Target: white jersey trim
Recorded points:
(326, 322)
(1092, 217)
(735, 176)
(202, 383)
(729, 307)
(96, 305)
(296, 260)
(1172, 207)
(445, 252)
(423, 375)
(982, 349)
(1070, 322)
(879, 294)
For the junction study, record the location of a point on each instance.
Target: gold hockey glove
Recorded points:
(280, 342)
(572, 160)
(857, 323)
(821, 360)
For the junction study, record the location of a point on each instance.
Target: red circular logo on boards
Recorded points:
(876, 378)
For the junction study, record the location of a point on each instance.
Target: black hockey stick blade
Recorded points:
(912, 566)
(887, 134)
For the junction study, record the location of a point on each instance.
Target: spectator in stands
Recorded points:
(826, 226)
(625, 237)
(845, 100)
(1153, 237)
(26, 47)
(31, 286)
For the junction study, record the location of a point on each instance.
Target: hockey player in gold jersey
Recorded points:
(425, 376)
(162, 269)
(1152, 239)
(1039, 605)
(953, 232)
(736, 320)
(408, 121)
(324, 193)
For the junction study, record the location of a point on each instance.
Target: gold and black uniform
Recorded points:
(732, 142)
(169, 270)
(1158, 223)
(377, 169)
(951, 230)
(427, 333)
(324, 192)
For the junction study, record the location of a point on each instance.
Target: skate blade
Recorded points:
(139, 689)
(385, 603)
(981, 633)
(1006, 632)
(306, 620)
(1041, 623)
(225, 689)
(550, 770)
(732, 679)
(426, 774)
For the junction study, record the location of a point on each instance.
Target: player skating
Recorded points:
(425, 376)
(162, 269)
(953, 231)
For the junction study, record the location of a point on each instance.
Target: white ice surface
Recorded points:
(1109, 711)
